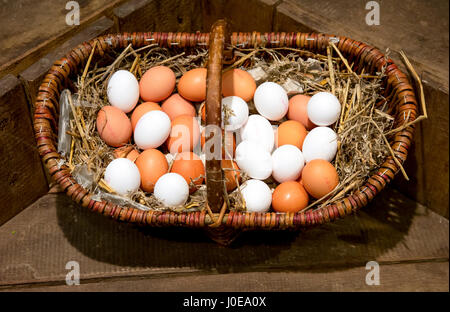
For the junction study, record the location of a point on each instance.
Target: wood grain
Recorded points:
(403, 277)
(33, 75)
(45, 29)
(242, 16)
(162, 16)
(23, 180)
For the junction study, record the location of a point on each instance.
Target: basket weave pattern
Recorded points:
(398, 92)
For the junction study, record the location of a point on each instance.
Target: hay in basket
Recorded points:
(374, 129)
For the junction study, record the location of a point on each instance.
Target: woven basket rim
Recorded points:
(46, 116)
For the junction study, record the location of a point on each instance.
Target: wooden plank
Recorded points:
(23, 179)
(405, 277)
(243, 16)
(163, 16)
(22, 44)
(425, 40)
(33, 75)
(391, 229)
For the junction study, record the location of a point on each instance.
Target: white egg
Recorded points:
(123, 90)
(254, 160)
(258, 129)
(152, 130)
(123, 176)
(271, 100)
(320, 142)
(171, 189)
(257, 195)
(287, 163)
(238, 112)
(323, 109)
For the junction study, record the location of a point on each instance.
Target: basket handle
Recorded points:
(214, 174)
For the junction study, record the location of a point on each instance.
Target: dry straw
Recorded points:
(363, 127)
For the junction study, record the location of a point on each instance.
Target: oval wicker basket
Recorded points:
(224, 226)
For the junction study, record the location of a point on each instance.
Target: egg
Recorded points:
(319, 178)
(157, 84)
(176, 106)
(237, 111)
(257, 195)
(152, 164)
(323, 109)
(320, 142)
(290, 132)
(271, 101)
(152, 130)
(171, 190)
(289, 196)
(190, 167)
(126, 152)
(258, 129)
(192, 85)
(113, 126)
(184, 134)
(228, 150)
(254, 160)
(122, 175)
(232, 176)
(287, 163)
(141, 110)
(237, 82)
(298, 110)
(123, 90)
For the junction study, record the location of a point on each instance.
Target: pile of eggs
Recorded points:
(165, 129)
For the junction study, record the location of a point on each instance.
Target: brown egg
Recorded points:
(140, 111)
(157, 84)
(290, 132)
(238, 82)
(229, 147)
(113, 126)
(176, 106)
(152, 164)
(231, 175)
(297, 110)
(192, 85)
(319, 178)
(289, 196)
(126, 152)
(189, 166)
(184, 135)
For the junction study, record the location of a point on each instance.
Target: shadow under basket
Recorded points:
(222, 225)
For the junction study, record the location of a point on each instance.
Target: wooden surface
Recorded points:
(33, 75)
(409, 242)
(428, 276)
(30, 29)
(22, 176)
(151, 15)
(243, 16)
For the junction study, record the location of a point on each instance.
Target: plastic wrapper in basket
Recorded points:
(222, 224)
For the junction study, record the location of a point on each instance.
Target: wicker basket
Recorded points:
(221, 225)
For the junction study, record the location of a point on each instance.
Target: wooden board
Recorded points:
(392, 229)
(23, 180)
(404, 277)
(33, 75)
(425, 40)
(243, 16)
(163, 16)
(23, 43)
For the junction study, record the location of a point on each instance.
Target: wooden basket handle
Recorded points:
(214, 175)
